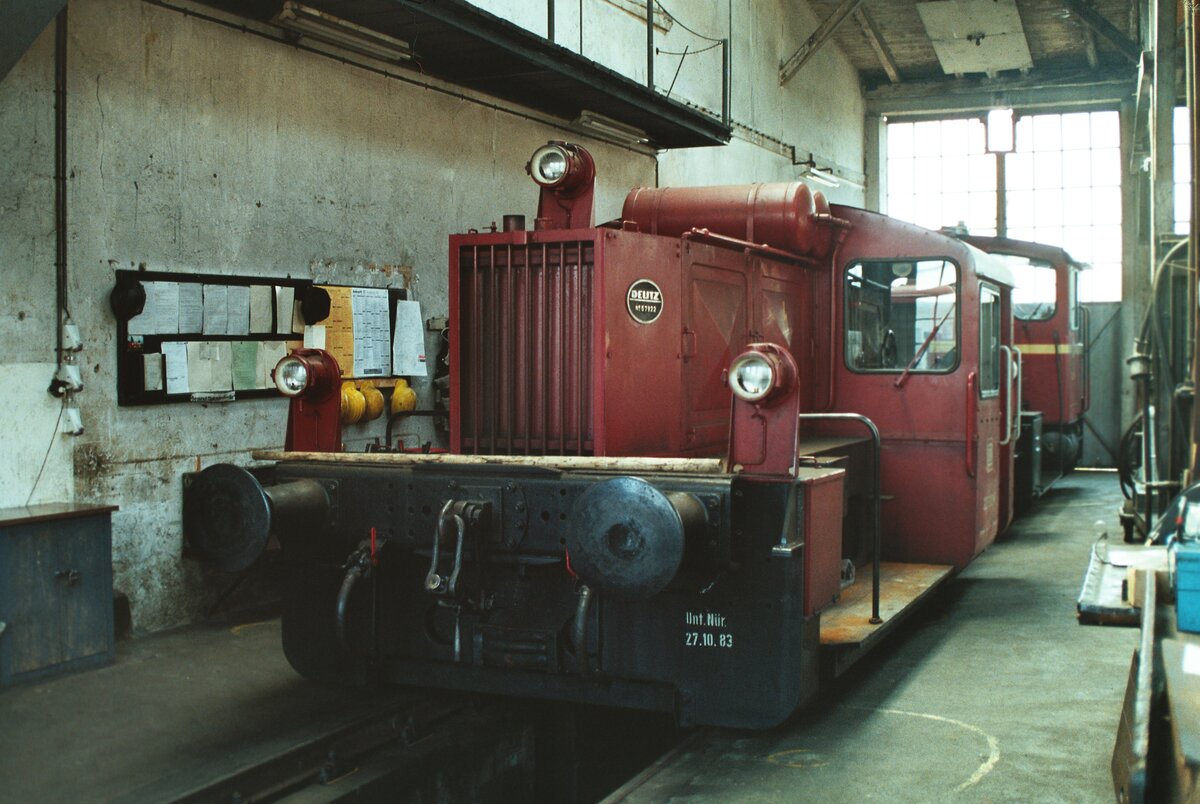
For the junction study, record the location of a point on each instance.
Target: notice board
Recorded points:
(198, 337)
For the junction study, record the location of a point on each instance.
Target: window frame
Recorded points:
(958, 297)
(985, 288)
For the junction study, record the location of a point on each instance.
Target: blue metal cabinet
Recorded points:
(56, 609)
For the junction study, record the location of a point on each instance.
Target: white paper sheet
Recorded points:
(175, 357)
(160, 314)
(191, 307)
(314, 336)
(408, 346)
(260, 308)
(216, 310)
(239, 310)
(285, 299)
(209, 366)
(152, 372)
(372, 332)
(269, 353)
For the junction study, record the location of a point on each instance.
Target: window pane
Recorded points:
(927, 138)
(1106, 167)
(1019, 171)
(1106, 130)
(989, 341)
(1034, 293)
(902, 314)
(1076, 131)
(982, 173)
(954, 137)
(900, 140)
(1047, 133)
(1077, 168)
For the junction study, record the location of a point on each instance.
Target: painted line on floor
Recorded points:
(993, 744)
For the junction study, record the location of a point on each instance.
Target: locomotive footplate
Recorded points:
(653, 584)
(846, 631)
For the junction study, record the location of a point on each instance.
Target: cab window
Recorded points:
(901, 314)
(1035, 287)
(989, 340)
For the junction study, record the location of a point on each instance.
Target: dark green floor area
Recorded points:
(995, 693)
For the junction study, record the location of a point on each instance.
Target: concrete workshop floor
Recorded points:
(173, 711)
(994, 694)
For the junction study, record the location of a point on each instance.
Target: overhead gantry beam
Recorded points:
(819, 37)
(1093, 19)
(886, 60)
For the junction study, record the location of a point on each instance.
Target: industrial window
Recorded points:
(1062, 185)
(1064, 189)
(1183, 171)
(989, 341)
(939, 175)
(1035, 288)
(902, 315)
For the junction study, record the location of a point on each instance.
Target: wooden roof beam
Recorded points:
(1093, 19)
(819, 37)
(880, 47)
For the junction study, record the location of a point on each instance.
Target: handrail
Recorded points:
(1020, 392)
(761, 248)
(877, 443)
(972, 414)
(1006, 396)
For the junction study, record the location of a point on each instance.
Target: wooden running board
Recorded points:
(846, 629)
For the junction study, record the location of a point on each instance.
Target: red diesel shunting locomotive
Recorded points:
(607, 529)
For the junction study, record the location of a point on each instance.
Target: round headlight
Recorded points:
(548, 165)
(751, 377)
(291, 376)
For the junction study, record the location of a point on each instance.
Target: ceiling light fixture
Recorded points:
(315, 24)
(592, 122)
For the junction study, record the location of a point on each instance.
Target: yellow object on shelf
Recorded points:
(354, 404)
(404, 398)
(374, 400)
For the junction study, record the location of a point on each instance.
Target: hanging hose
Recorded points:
(1127, 454)
(579, 628)
(358, 566)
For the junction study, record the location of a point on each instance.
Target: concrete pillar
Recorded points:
(1135, 252)
(875, 162)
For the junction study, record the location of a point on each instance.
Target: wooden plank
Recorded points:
(690, 466)
(847, 623)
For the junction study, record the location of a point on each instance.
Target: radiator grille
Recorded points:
(526, 335)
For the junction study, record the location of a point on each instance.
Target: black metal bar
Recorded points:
(561, 379)
(725, 82)
(477, 356)
(650, 44)
(878, 446)
(550, 20)
(528, 375)
(60, 176)
(544, 375)
(512, 376)
(580, 350)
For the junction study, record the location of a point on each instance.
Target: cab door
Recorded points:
(992, 439)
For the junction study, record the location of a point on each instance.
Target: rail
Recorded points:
(877, 444)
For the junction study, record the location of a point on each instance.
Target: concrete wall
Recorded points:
(194, 147)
